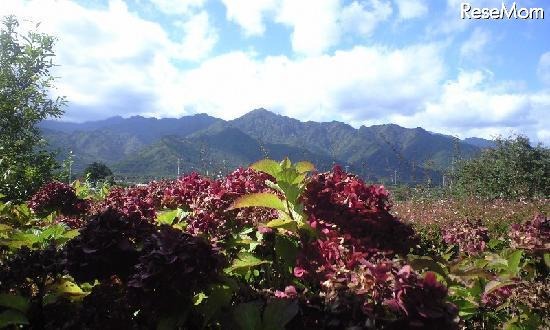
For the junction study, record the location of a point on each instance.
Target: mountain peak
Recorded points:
(259, 113)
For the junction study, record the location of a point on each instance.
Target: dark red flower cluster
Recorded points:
(345, 191)
(471, 236)
(27, 270)
(497, 296)
(533, 235)
(156, 191)
(376, 288)
(422, 301)
(108, 245)
(185, 191)
(210, 199)
(106, 307)
(57, 196)
(172, 267)
(135, 203)
(353, 222)
(73, 222)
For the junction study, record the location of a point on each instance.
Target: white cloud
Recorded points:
(108, 57)
(356, 84)
(317, 25)
(314, 24)
(112, 62)
(249, 14)
(200, 37)
(409, 9)
(356, 17)
(178, 7)
(474, 46)
(543, 69)
(474, 105)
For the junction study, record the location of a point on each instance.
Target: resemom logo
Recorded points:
(505, 11)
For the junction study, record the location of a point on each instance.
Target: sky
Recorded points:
(364, 62)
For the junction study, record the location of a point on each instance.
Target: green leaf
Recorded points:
(4, 227)
(496, 262)
(248, 315)
(219, 296)
(16, 302)
(244, 262)
(304, 166)
(514, 260)
(427, 263)
(274, 186)
(12, 317)
(167, 217)
(291, 191)
(547, 259)
(285, 163)
(494, 243)
(268, 166)
(278, 313)
(286, 249)
(69, 289)
(285, 223)
(463, 299)
(259, 200)
(299, 179)
(199, 298)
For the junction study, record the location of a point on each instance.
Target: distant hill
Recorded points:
(149, 147)
(480, 143)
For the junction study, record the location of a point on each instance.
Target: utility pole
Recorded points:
(178, 167)
(395, 177)
(70, 165)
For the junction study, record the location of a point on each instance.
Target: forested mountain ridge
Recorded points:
(139, 146)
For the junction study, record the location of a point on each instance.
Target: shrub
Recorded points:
(512, 169)
(57, 196)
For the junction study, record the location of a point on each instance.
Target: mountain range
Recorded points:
(146, 148)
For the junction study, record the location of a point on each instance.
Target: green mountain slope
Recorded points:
(149, 147)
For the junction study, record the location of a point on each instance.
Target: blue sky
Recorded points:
(410, 62)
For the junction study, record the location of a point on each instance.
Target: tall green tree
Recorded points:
(26, 81)
(512, 169)
(98, 171)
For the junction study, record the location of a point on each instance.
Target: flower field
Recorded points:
(274, 246)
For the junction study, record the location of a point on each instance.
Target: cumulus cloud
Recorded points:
(314, 32)
(317, 25)
(199, 37)
(543, 69)
(474, 105)
(113, 62)
(363, 17)
(178, 7)
(360, 83)
(248, 14)
(409, 9)
(113, 49)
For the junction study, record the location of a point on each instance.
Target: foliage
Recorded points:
(25, 84)
(512, 169)
(57, 196)
(98, 171)
(275, 246)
